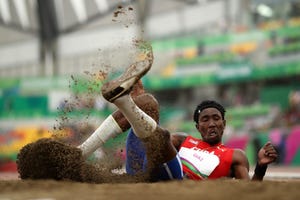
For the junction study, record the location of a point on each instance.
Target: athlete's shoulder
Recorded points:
(194, 140)
(191, 141)
(178, 138)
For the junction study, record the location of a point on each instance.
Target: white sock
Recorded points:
(142, 124)
(108, 129)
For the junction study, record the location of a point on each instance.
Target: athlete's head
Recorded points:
(208, 104)
(210, 121)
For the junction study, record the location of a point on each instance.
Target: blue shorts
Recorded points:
(136, 161)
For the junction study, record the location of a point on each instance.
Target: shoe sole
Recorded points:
(123, 85)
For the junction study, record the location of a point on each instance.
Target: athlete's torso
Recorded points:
(201, 161)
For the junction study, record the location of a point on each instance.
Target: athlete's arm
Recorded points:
(240, 165)
(266, 155)
(177, 139)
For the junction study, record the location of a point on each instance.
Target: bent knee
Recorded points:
(148, 104)
(163, 134)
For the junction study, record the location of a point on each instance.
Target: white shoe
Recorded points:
(124, 83)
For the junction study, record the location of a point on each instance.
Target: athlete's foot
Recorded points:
(124, 83)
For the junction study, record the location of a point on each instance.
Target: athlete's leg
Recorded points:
(135, 149)
(116, 123)
(156, 140)
(109, 128)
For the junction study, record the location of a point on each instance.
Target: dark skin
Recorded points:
(211, 126)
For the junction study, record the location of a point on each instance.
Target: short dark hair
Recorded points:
(208, 104)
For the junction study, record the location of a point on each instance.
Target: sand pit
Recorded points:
(280, 183)
(220, 189)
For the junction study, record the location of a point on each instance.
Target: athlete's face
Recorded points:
(211, 125)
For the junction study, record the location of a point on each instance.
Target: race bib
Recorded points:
(200, 162)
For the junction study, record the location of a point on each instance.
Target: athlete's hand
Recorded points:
(267, 154)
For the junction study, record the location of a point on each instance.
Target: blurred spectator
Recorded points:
(292, 114)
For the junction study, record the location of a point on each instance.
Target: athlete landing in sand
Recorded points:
(206, 158)
(152, 150)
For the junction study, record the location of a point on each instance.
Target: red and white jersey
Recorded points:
(200, 160)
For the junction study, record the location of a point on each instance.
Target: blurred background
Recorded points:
(244, 53)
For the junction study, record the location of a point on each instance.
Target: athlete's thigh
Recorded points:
(135, 154)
